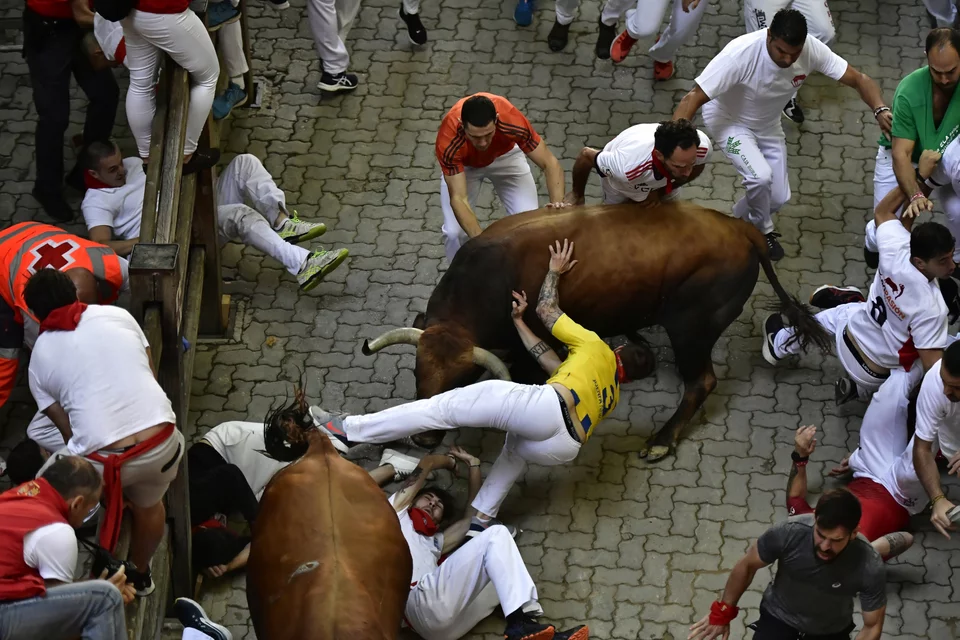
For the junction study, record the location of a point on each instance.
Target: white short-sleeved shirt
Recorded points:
(947, 170)
(101, 376)
(627, 165)
(904, 311)
(52, 551)
(240, 444)
(938, 419)
(746, 87)
(424, 550)
(109, 36)
(120, 208)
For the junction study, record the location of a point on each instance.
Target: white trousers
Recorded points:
(411, 6)
(246, 180)
(885, 180)
(325, 24)
(230, 46)
(42, 431)
(835, 321)
(488, 570)
(761, 158)
(758, 14)
(530, 416)
(644, 18)
(945, 11)
(183, 36)
(513, 183)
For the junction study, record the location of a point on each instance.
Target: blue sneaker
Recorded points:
(221, 13)
(223, 104)
(524, 13)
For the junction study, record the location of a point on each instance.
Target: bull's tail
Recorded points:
(799, 316)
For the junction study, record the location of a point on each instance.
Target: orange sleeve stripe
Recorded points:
(450, 163)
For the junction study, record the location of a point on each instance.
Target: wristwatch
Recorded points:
(796, 457)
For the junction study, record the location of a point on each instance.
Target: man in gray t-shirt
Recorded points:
(822, 564)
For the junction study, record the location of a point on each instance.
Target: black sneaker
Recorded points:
(844, 390)
(793, 111)
(528, 628)
(951, 297)
(53, 204)
(142, 582)
(200, 160)
(605, 38)
(773, 246)
(577, 633)
(558, 37)
(828, 297)
(415, 29)
(338, 82)
(771, 327)
(192, 616)
(872, 258)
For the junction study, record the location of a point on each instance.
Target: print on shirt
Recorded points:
(761, 16)
(52, 254)
(733, 146)
(892, 291)
(798, 80)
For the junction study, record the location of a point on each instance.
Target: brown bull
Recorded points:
(677, 265)
(327, 560)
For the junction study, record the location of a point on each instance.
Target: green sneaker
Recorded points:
(318, 265)
(294, 230)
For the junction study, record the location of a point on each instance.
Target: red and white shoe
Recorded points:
(621, 46)
(662, 70)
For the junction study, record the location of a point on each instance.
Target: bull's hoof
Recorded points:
(428, 440)
(655, 452)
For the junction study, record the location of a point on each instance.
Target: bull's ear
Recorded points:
(420, 322)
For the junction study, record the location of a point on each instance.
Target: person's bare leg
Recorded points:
(146, 534)
(893, 544)
(383, 474)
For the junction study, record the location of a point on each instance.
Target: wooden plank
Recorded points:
(245, 35)
(151, 328)
(193, 302)
(144, 616)
(182, 235)
(172, 163)
(151, 192)
(206, 234)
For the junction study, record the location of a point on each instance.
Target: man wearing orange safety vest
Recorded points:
(25, 248)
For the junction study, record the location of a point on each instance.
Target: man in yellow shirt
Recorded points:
(545, 424)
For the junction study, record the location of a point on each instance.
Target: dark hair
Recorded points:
(675, 133)
(638, 360)
(24, 461)
(445, 498)
(72, 476)
(790, 26)
(478, 111)
(48, 289)
(951, 359)
(276, 440)
(939, 38)
(930, 240)
(95, 152)
(838, 508)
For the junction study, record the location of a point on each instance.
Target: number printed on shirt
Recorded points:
(878, 311)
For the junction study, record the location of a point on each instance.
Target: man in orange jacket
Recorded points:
(25, 248)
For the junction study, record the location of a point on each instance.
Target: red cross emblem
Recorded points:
(52, 254)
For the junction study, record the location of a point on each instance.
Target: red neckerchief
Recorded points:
(662, 170)
(621, 371)
(92, 183)
(422, 522)
(63, 318)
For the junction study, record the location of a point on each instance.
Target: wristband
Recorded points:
(937, 499)
(917, 195)
(722, 614)
(798, 459)
(475, 466)
(879, 110)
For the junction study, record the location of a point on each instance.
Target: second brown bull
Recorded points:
(678, 265)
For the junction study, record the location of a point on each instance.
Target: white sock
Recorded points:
(195, 634)
(238, 80)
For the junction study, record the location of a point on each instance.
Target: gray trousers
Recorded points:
(330, 21)
(91, 610)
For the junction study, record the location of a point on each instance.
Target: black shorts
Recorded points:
(770, 628)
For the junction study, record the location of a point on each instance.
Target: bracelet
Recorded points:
(937, 499)
(879, 110)
(917, 195)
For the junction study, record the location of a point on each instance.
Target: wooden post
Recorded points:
(251, 88)
(206, 234)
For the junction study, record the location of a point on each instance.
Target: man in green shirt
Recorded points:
(926, 115)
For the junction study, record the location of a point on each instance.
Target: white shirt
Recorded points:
(947, 170)
(626, 164)
(101, 376)
(424, 550)
(938, 419)
(746, 87)
(904, 311)
(52, 551)
(240, 444)
(109, 35)
(120, 208)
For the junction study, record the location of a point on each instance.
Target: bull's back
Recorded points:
(328, 560)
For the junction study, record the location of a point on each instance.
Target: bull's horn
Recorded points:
(405, 335)
(490, 362)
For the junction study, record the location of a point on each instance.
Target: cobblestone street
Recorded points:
(634, 550)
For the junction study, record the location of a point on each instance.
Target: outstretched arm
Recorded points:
(540, 350)
(803, 443)
(418, 478)
(581, 173)
(871, 95)
(456, 533)
(548, 306)
(737, 583)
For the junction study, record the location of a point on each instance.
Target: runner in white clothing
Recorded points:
(447, 600)
(938, 426)
(742, 92)
(904, 318)
(757, 15)
(644, 159)
(113, 208)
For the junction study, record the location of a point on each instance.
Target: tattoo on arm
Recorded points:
(539, 349)
(548, 308)
(898, 543)
(791, 478)
(411, 479)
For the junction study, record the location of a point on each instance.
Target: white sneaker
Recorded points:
(403, 465)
